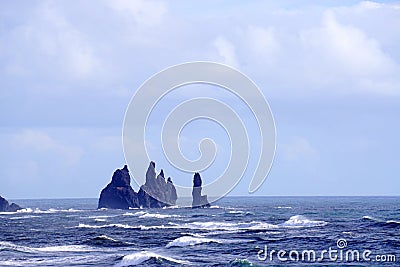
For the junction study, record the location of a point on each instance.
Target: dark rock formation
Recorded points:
(118, 194)
(6, 207)
(157, 192)
(199, 201)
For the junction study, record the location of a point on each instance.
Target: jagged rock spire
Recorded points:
(199, 201)
(157, 192)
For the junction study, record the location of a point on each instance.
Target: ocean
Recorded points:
(235, 231)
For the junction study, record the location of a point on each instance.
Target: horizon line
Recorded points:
(248, 196)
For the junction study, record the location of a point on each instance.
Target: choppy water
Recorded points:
(233, 232)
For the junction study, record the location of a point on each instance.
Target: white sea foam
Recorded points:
(142, 256)
(157, 215)
(184, 241)
(240, 212)
(191, 240)
(24, 217)
(126, 226)
(39, 211)
(235, 211)
(143, 227)
(171, 207)
(142, 214)
(100, 217)
(393, 221)
(254, 225)
(298, 221)
(66, 248)
(134, 214)
(27, 210)
(104, 237)
(71, 248)
(118, 225)
(215, 227)
(283, 207)
(59, 261)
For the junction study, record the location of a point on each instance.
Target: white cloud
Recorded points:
(226, 51)
(41, 142)
(143, 12)
(347, 48)
(344, 55)
(63, 42)
(262, 41)
(48, 43)
(370, 5)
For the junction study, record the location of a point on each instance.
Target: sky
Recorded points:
(328, 69)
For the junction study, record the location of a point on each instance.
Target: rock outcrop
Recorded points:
(157, 192)
(119, 194)
(199, 201)
(5, 206)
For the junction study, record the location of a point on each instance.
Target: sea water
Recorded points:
(235, 231)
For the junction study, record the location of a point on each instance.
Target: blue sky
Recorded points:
(329, 70)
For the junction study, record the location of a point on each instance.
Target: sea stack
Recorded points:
(199, 201)
(5, 206)
(157, 192)
(119, 194)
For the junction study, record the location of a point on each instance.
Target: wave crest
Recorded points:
(142, 256)
(298, 221)
(105, 241)
(65, 248)
(185, 241)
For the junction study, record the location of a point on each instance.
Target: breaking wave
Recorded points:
(298, 221)
(142, 214)
(196, 239)
(66, 248)
(39, 211)
(190, 241)
(393, 222)
(142, 256)
(370, 218)
(381, 222)
(240, 212)
(254, 225)
(105, 241)
(117, 225)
